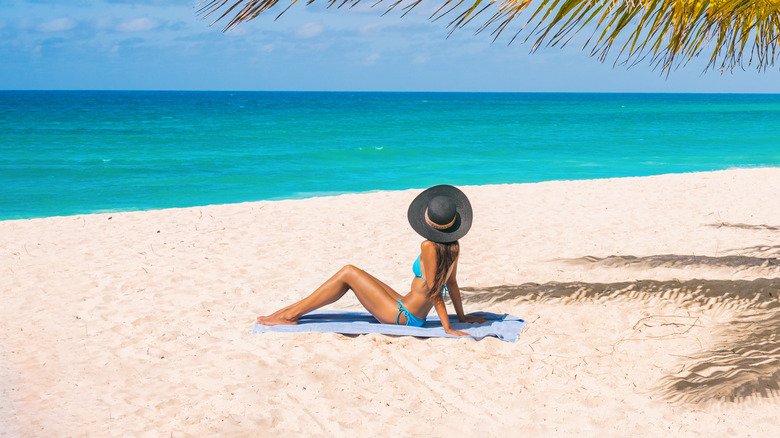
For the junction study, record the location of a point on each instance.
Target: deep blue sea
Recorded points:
(73, 152)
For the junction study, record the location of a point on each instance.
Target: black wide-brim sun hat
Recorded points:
(441, 214)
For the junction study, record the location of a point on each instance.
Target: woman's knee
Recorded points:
(349, 271)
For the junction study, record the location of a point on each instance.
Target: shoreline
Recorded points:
(651, 305)
(374, 191)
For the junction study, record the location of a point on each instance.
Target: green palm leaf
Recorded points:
(737, 33)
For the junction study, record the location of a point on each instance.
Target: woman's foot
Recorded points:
(276, 319)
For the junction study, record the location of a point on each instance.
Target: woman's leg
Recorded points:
(378, 298)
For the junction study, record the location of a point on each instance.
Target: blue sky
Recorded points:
(165, 45)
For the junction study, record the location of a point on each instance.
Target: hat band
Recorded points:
(437, 226)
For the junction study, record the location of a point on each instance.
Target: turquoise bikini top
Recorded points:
(418, 273)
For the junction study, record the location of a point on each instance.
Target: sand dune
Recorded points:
(651, 302)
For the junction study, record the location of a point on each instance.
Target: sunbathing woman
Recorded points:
(440, 214)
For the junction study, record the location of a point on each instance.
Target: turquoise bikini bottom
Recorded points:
(410, 319)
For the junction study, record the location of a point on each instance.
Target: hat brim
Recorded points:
(416, 214)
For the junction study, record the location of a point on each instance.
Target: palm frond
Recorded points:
(670, 33)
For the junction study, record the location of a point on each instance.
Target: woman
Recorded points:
(442, 215)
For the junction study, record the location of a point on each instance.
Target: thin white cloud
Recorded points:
(147, 2)
(379, 27)
(104, 23)
(372, 59)
(138, 25)
(309, 30)
(57, 25)
(421, 59)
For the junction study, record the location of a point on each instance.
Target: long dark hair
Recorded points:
(446, 254)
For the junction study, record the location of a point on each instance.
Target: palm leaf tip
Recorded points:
(670, 33)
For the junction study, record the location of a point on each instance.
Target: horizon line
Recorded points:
(381, 91)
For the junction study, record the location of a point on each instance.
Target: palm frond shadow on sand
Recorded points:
(759, 259)
(745, 363)
(757, 227)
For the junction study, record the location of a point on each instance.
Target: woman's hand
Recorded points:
(455, 332)
(472, 319)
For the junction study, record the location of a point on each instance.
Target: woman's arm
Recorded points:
(428, 251)
(452, 285)
(441, 310)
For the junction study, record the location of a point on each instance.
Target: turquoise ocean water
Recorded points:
(73, 152)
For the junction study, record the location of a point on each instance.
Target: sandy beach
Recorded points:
(651, 306)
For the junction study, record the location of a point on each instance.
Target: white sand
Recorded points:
(651, 305)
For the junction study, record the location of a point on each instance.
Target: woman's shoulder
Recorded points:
(427, 245)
